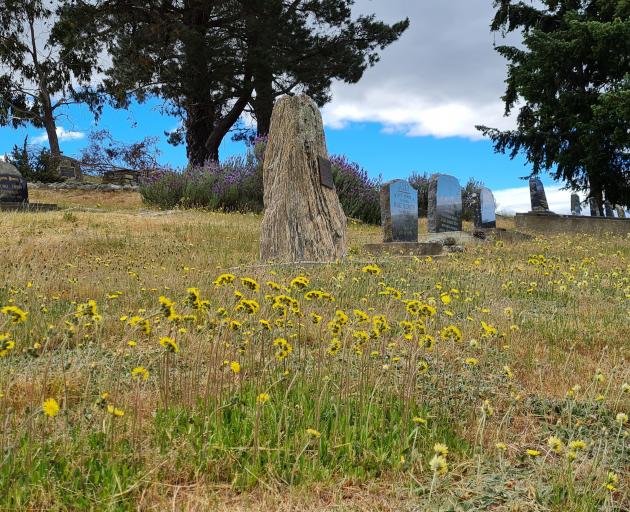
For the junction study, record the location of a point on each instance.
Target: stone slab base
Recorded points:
(559, 224)
(28, 207)
(493, 234)
(449, 238)
(405, 248)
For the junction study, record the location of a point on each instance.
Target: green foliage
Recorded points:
(35, 164)
(570, 81)
(218, 53)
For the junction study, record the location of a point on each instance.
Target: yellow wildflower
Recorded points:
(50, 407)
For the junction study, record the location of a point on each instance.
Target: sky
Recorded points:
(416, 110)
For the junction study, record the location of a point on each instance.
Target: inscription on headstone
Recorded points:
(576, 208)
(399, 212)
(13, 187)
(325, 172)
(445, 204)
(485, 216)
(538, 196)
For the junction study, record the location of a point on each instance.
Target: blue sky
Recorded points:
(416, 110)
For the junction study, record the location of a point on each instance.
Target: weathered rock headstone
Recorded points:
(485, 208)
(620, 212)
(399, 212)
(445, 204)
(576, 208)
(608, 209)
(13, 186)
(538, 196)
(592, 203)
(303, 218)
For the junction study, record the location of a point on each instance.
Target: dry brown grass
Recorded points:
(90, 252)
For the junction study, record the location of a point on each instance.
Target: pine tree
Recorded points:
(570, 81)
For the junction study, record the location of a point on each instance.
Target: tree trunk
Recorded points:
(199, 126)
(303, 218)
(263, 103)
(51, 131)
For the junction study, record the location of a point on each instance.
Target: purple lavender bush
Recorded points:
(358, 193)
(234, 185)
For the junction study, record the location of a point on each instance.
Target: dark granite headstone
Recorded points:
(399, 212)
(445, 204)
(609, 209)
(620, 212)
(593, 207)
(576, 208)
(538, 196)
(485, 216)
(13, 187)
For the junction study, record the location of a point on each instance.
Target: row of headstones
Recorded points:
(399, 208)
(540, 205)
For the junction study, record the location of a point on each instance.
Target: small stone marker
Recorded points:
(538, 196)
(620, 212)
(609, 209)
(593, 207)
(399, 212)
(303, 218)
(13, 186)
(445, 204)
(576, 208)
(485, 210)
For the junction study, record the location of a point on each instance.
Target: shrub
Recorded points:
(235, 185)
(34, 163)
(421, 183)
(358, 193)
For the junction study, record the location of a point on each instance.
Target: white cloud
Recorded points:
(62, 133)
(516, 200)
(441, 78)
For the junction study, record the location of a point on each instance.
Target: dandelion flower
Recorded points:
(375, 270)
(621, 418)
(612, 479)
(263, 398)
(17, 315)
(501, 446)
(555, 444)
(115, 411)
(438, 465)
(50, 407)
(577, 445)
(532, 453)
(440, 449)
(235, 366)
(313, 433)
(140, 373)
(419, 421)
(169, 344)
(471, 361)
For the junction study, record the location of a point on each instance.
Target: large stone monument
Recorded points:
(399, 212)
(592, 203)
(445, 204)
(485, 209)
(303, 218)
(538, 196)
(576, 207)
(13, 186)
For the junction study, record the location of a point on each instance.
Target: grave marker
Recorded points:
(445, 204)
(399, 212)
(485, 209)
(538, 196)
(13, 186)
(576, 208)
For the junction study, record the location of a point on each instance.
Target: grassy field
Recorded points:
(149, 361)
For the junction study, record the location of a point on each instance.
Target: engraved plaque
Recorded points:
(325, 173)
